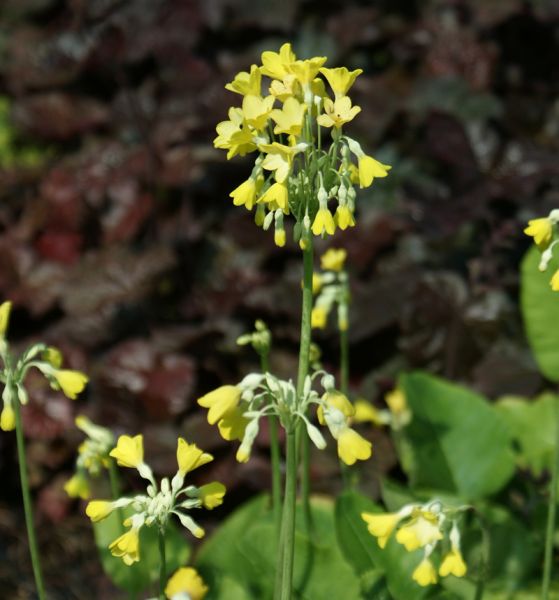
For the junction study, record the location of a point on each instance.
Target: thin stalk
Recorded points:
(550, 530)
(114, 480)
(344, 388)
(27, 506)
(162, 565)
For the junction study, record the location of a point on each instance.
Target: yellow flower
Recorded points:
(306, 70)
(333, 259)
(276, 196)
(78, 486)
(421, 530)
(396, 401)
(233, 424)
(190, 457)
(453, 564)
(290, 118)
(129, 451)
(220, 402)
(212, 494)
(337, 113)
(275, 64)
(369, 168)
(279, 237)
(5, 309)
(316, 283)
(243, 454)
(70, 382)
(256, 110)
(340, 79)
(186, 581)
(247, 84)
(53, 356)
(353, 447)
(279, 159)
(344, 217)
(234, 135)
(127, 547)
(541, 230)
(97, 510)
(323, 222)
(425, 573)
(337, 400)
(285, 88)
(366, 412)
(245, 194)
(555, 281)
(319, 317)
(381, 525)
(7, 418)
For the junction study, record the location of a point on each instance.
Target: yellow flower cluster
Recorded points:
(331, 289)
(542, 231)
(285, 105)
(161, 502)
(421, 527)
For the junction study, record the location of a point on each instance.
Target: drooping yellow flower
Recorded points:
(276, 64)
(186, 581)
(280, 237)
(7, 419)
(279, 158)
(425, 573)
(127, 547)
(306, 70)
(190, 457)
(323, 222)
(5, 309)
(233, 424)
(421, 530)
(365, 412)
(129, 451)
(289, 119)
(97, 510)
(78, 486)
(212, 494)
(247, 84)
(369, 168)
(319, 317)
(541, 230)
(333, 259)
(276, 196)
(70, 382)
(353, 447)
(340, 79)
(453, 564)
(344, 217)
(338, 113)
(396, 401)
(220, 402)
(555, 281)
(245, 194)
(234, 135)
(256, 110)
(381, 525)
(336, 400)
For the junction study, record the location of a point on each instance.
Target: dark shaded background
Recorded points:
(119, 244)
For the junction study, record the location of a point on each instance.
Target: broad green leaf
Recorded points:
(141, 575)
(227, 588)
(540, 310)
(532, 426)
(461, 444)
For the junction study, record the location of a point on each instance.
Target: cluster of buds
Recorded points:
(542, 230)
(157, 506)
(423, 526)
(296, 172)
(237, 410)
(331, 289)
(93, 457)
(397, 416)
(45, 358)
(260, 339)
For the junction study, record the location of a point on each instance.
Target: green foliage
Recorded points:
(141, 575)
(540, 310)
(460, 443)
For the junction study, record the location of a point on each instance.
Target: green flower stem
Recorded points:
(550, 531)
(27, 506)
(114, 479)
(347, 475)
(162, 565)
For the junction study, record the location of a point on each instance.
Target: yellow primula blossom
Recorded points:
(306, 70)
(381, 525)
(234, 135)
(279, 158)
(256, 110)
(333, 259)
(340, 79)
(285, 88)
(369, 168)
(344, 217)
(276, 196)
(277, 64)
(5, 309)
(190, 457)
(421, 530)
(319, 317)
(7, 418)
(323, 222)
(289, 119)
(232, 425)
(353, 447)
(336, 400)
(453, 564)
(129, 451)
(338, 113)
(425, 573)
(365, 412)
(127, 547)
(247, 84)
(245, 194)
(70, 382)
(78, 486)
(212, 494)
(220, 402)
(97, 510)
(541, 230)
(186, 583)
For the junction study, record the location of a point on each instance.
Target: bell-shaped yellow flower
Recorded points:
(7, 419)
(306, 70)
(338, 113)
(212, 494)
(276, 196)
(234, 135)
(425, 573)
(220, 402)
(333, 259)
(245, 194)
(319, 317)
(97, 510)
(337, 400)
(421, 530)
(285, 88)
(289, 119)
(541, 230)
(5, 309)
(453, 564)
(256, 110)
(190, 457)
(78, 486)
(340, 79)
(186, 581)
(365, 412)
(70, 382)
(381, 525)
(369, 168)
(127, 547)
(129, 451)
(323, 222)
(276, 64)
(280, 237)
(353, 447)
(233, 424)
(247, 84)
(279, 158)
(344, 217)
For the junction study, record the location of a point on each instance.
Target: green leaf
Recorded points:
(139, 576)
(540, 309)
(228, 589)
(461, 444)
(532, 425)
